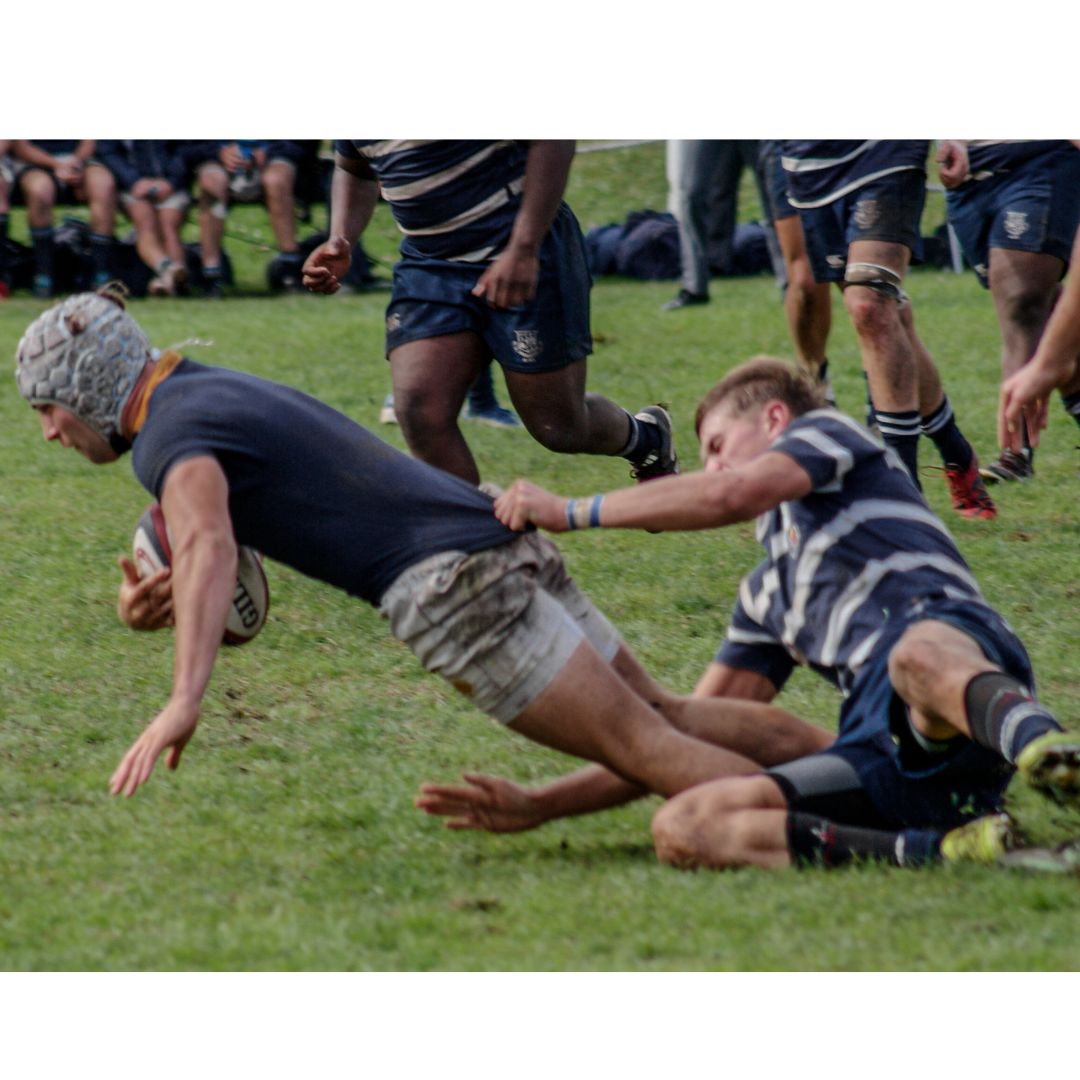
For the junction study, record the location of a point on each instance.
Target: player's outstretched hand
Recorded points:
(145, 604)
(510, 281)
(485, 802)
(171, 729)
(522, 504)
(327, 265)
(1026, 394)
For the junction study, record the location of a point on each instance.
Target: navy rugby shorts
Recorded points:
(432, 297)
(1033, 207)
(876, 774)
(888, 209)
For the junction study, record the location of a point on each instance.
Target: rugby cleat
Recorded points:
(969, 496)
(1051, 766)
(983, 841)
(493, 416)
(662, 461)
(386, 413)
(1011, 465)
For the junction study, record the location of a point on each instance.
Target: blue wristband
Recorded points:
(594, 511)
(570, 522)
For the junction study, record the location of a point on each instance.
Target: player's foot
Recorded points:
(662, 460)
(1051, 766)
(1063, 859)
(969, 496)
(1011, 465)
(386, 413)
(685, 298)
(984, 840)
(493, 415)
(42, 287)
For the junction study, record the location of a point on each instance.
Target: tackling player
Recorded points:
(862, 583)
(234, 459)
(492, 265)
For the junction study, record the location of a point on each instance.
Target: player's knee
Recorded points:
(872, 314)
(1026, 308)
(914, 658)
(424, 416)
(706, 826)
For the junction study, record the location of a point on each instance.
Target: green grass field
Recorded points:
(287, 840)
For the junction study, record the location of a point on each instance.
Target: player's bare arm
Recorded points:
(511, 279)
(702, 500)
(195, 502)
(354, 193)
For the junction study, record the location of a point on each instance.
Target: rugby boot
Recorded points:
(1051, 765)
(983, 841)
(661, 461)
(969, 496)
(1011, 465)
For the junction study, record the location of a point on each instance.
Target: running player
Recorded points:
(492, 265)
(1015, 205)
(860, 204)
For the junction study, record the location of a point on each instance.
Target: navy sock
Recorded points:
(642, 441)
(816, 841)
(43, 241)
(900, 430)
(941, 426)
(100, 253)
(1003, 715)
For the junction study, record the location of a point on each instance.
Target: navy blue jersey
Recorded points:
(861, 547)
(307, 485)
(452, 199)
(987, 157)
(820, 172)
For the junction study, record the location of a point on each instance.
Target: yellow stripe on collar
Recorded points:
(162, 370)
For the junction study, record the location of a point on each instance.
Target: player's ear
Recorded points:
(777, 416)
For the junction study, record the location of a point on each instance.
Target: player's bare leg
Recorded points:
(560, 415)
(807, 303)
(590, 712)
(731, 822)
(431, 378)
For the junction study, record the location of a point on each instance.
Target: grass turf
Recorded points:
(287, 839)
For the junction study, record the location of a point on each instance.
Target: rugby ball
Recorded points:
(152, 550)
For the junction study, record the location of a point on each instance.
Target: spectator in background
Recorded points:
(48, 171)
(152, 179)
(241, 170)
(5, 206)
(1015, 205)
(703, 190)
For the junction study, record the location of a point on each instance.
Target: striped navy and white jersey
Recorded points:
(452, 199)
(861, 546)
(820, 172)
(988, 157)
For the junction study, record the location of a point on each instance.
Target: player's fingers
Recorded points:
(128, 567)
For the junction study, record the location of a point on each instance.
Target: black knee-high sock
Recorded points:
(900, 430)
(816, 841)
(941, 427)
(43, 241)
(101, 254)
(1003, 715)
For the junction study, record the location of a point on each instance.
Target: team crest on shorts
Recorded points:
(393, 322)
(837, 262)
(867, 213)
(1016, 223)
(527, 345)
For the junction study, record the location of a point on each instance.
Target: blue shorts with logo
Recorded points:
(433, 297)
(888, 209)
(876, 774)
(1034, 207)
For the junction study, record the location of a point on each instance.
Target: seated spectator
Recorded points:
(247, 171)
(50, 170)
(152, 179)
(5, 187)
